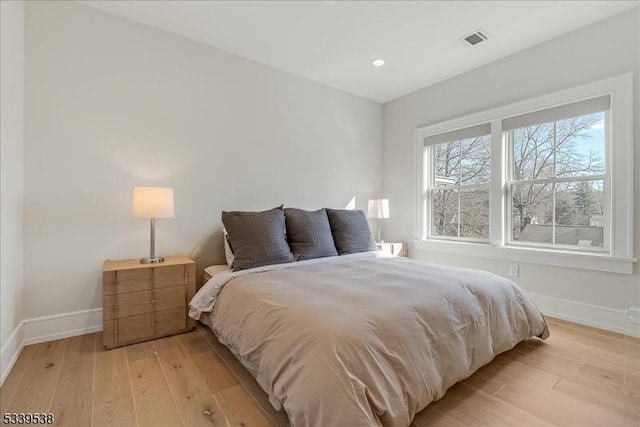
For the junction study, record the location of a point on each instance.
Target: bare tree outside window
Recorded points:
(558, 181)
(556, 184)
(460, 192)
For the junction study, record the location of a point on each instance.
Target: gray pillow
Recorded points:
(351, 233)
(309, 234)
(257, 238)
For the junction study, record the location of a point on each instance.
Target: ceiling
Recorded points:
(335, 42)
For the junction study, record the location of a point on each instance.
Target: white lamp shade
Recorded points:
(378, 208)
(152, 202)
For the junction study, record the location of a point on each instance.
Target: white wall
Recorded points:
(11, 152)
(605, 49)
(111, 104)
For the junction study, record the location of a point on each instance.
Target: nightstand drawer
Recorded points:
(134, 328)
(127, 330)
(173, 275)
(170, 321)
(127, 280)
(174, 297)
(127, 304)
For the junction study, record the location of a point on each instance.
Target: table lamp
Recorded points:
(378, 209)
(152, 203)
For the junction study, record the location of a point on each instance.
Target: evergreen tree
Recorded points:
(584, 201)
(565, 212)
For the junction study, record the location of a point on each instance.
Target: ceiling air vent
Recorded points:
(474, 38)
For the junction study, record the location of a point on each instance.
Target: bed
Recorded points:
(362, 339)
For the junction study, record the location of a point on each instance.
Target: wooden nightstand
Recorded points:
(146, 301)
(395, 249)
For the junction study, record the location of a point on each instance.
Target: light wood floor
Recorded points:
(576, 377)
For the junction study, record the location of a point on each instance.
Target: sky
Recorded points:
(594, 140)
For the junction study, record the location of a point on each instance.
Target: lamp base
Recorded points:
(149, 260)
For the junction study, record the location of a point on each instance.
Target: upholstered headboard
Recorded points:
(208, 251)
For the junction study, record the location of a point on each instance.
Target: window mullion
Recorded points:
(576, 178)
(459, 193)
(483, 186)
(555, 147)
(553, 186)
(497, 189)
(459, 180)
(428, 182)
(553, 213)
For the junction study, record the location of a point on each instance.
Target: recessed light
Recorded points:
(378, 63)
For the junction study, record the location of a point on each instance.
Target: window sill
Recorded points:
(583, 260)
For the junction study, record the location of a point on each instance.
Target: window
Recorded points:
(546, 180)
(558, 176)
(459, 183)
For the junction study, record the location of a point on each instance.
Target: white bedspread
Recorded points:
(204, 300)
(363, 340)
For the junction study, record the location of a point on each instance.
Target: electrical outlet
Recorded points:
(514, 270)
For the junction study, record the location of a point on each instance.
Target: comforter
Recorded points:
(364, 340)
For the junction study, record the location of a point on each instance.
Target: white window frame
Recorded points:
(619, 167)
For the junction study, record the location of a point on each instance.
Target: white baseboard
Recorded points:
(47, 328)
(597, 316)
(10, 351)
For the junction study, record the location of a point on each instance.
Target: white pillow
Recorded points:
(228, 253)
